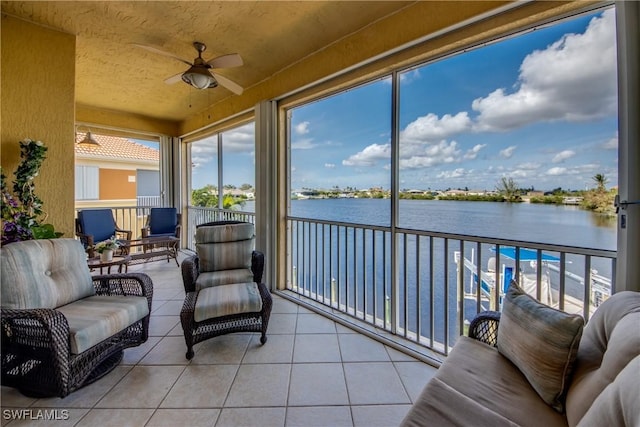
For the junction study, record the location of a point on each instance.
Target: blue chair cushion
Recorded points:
(98, 223)
(163, 221)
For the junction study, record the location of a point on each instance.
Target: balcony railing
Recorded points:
(199, 215)
(424, 285)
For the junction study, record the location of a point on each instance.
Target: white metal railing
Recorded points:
(154, 201)
(198, 215)
(424, 285)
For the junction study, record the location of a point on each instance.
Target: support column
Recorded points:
(266, 187)
(628, 39)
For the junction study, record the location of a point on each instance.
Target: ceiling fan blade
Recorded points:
(173, 79)
(225, 82)
(161, 52)
(226, 61)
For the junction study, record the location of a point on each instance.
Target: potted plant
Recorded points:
(22, 214)
(106, 248)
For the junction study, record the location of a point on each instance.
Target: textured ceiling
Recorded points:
(270, 36)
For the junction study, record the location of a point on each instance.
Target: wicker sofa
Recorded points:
(479, 386)
(62, 328)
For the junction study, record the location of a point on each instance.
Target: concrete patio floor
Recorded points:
(311, 372)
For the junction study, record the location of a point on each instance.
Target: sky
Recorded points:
(540, 108)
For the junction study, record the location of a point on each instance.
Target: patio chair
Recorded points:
(97, 225)
(162, 222)
(62, 328)
(223, 285)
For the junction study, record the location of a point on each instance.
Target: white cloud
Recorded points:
(507, 153)
(430, 155)
(473, 153)
(329, 165)
(431, 127)
(529, 166)
(239, 140)
(369, 156)
(455, 173)
(557, 171)
(573, 79)
(203, 152)
(563, 155)
(302, 128)
(611, 144)
(303, 144)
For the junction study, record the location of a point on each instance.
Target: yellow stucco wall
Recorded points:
(38, 102)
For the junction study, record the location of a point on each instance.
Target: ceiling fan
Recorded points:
(200, 74)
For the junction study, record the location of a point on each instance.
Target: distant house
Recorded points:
(118, 172)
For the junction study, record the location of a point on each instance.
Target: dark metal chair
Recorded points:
(223, 285)
(162, 222)
(97, 225)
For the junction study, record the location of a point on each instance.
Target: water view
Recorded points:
(560, 225)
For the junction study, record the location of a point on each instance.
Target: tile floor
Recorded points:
(311, 372)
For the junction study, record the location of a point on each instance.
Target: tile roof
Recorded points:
(117, 147)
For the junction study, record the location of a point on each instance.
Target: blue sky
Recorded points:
(540, 108)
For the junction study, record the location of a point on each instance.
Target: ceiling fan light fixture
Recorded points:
(199, 77)
(88, 141)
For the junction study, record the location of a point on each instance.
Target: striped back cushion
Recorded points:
(225, 247)
(44, 273)
(541, 341)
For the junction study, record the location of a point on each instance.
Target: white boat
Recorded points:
(546, 291)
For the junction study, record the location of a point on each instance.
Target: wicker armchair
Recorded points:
(50, 346)
(484, 327)
(224, 294)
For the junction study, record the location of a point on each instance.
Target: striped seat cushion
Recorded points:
(225, 300)
(223, 277)
(94, 319)
(541, 341)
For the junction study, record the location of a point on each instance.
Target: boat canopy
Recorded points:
(525, 254)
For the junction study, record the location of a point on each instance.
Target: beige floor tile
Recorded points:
(184, 417)
(168, 308)
(379, 415)
(201, 386)
(314, 384)
(282, 323)
(226, 349)
(13, 398)
(133, 355)
(161, 325)
(316, 348)
(142, 387)
(116, 418)
(168, 294)
(414, 376)
(249, 417)
(374, 383)
(169, 351)
(319, 416)
(281, 305)
(360, 348)
(313, 323)
(277, 349)
(260, 385)
(87, 396)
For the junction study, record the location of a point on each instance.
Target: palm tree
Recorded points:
(601, 181)
(509, 189)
